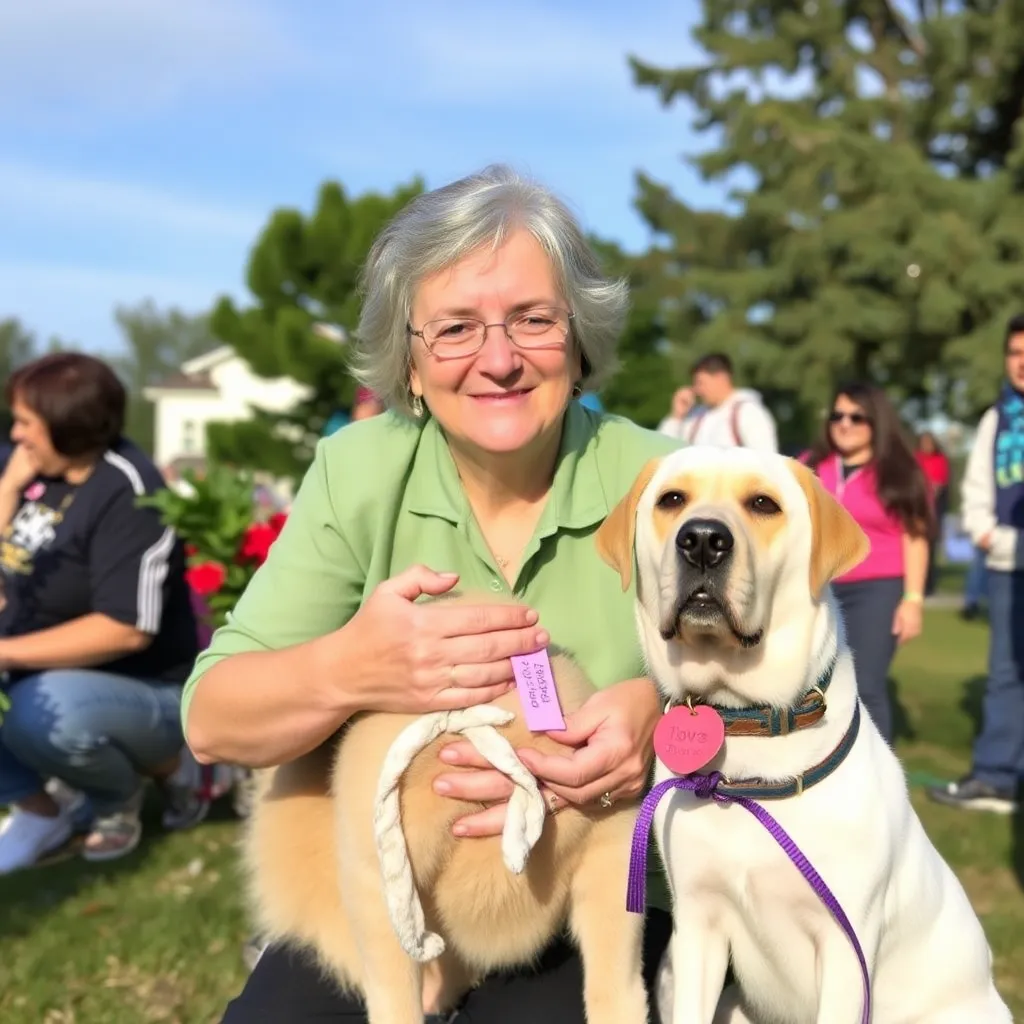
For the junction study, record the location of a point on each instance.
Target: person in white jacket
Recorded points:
(726, 416)
(992, 499)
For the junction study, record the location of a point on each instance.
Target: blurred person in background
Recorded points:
(864, 459)
(714, 411)
(934, 464)
(367, 404)
(97, 633)
(992, 496)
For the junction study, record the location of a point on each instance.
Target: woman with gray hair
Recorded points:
(485, 312)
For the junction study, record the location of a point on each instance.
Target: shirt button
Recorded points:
(495, 584)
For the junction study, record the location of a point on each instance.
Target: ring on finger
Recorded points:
(453, 682)
(606, 800)
(553, 805)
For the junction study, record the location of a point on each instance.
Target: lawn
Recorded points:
(158, 936)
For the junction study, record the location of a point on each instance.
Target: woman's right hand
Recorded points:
(413, 657)
(20, 471)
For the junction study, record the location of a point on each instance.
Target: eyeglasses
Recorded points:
(857, 419)
(463, 336)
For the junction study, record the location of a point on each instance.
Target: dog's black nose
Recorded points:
(704, 543)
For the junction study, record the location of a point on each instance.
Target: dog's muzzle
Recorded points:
(705, 548)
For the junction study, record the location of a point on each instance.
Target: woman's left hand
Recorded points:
(608, 750)
(611, 736)
(907, 622)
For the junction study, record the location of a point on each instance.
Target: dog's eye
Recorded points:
(762, 505)
(672, 499)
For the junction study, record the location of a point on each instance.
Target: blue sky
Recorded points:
(144, 142)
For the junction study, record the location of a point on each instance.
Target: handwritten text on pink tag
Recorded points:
(537, 692)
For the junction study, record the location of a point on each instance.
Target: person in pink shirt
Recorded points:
(865, 460)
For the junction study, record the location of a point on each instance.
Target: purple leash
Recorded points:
(705, 786)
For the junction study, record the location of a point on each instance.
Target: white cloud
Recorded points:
(60, 58)
(27, 191)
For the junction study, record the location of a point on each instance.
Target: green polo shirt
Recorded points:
(383, 494)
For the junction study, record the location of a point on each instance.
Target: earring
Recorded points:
(576, 390)
(417, 406)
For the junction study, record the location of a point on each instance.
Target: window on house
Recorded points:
(188, 437)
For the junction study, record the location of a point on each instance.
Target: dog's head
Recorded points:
(733, 549)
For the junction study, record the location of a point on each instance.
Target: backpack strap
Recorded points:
(734, 424)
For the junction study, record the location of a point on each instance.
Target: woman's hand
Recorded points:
(436, 656)
(608, 750)
(907, 622)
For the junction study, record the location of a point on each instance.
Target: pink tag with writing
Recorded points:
(537, 692)
(686, 739)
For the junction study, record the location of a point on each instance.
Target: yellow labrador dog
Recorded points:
(315, 878)
(734, 553)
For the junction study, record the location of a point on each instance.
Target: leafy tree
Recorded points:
(303, 274)
(17, 347)
(875, 209)
(157, 343)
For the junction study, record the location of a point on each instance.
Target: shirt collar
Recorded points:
(577, 499)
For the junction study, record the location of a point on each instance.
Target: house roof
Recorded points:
(185, 382)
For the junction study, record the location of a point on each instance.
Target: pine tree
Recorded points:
(642, 388)
(875, 209)
(303, 273)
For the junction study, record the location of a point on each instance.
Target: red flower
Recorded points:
(256, 542)
(206, 578)
(276, 522)
(191, 550)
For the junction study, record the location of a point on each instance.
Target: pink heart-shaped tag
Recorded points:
(686, 738)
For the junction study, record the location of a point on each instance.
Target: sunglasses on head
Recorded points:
(858, 419)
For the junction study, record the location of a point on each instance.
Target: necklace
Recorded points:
(502, 562)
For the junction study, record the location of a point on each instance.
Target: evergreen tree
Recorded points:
(875, 217)
(642, 388)
(303, 274)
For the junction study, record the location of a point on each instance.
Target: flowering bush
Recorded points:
(225, 541)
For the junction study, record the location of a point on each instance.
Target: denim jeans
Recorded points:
(95, 731)
(869, 607)
(999, 747)
(976, 584)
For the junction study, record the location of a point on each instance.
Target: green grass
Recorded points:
(158, 936)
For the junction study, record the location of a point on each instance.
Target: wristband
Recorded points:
(913, 597)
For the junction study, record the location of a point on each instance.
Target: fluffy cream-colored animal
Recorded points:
(734, 553)
(316, 880)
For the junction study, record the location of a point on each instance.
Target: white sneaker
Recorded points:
(26, 837)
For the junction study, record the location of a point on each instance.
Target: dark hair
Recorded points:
(78, 397)
(713, 362)
(1014, 326)
(902, 486)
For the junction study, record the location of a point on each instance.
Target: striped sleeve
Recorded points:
(129, 556)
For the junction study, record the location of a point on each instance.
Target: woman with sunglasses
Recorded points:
(864, 459)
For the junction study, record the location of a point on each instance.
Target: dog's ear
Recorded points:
(615, 536)
(837, 542)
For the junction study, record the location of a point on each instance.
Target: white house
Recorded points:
(216, 387)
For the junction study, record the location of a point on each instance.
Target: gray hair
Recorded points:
(439, 228)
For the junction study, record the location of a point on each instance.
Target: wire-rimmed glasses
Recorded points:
(451, 337)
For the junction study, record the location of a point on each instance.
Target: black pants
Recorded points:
(286, 988)
(869, 607)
